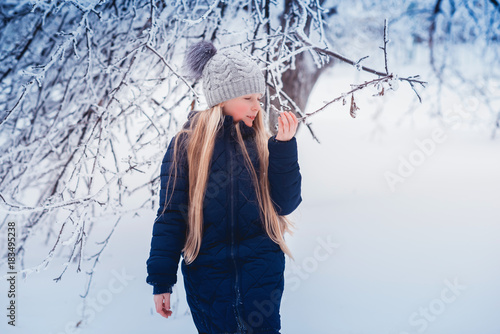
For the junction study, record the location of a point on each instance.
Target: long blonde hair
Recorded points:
(199, 139)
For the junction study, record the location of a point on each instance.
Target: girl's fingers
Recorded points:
(292, 117)
(166, 303)
(295, 121)
(292, 120)
(288, 123)
(284, 123)
(159, 306)
(284, 117)
(162, 305)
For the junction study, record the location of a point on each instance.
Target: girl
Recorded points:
(226, 187)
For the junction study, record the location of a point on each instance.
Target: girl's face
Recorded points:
(243, 108)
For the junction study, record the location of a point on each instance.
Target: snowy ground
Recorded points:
(419, 258)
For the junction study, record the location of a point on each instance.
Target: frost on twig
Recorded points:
(90, 96)
(392, 79)
(92, 93)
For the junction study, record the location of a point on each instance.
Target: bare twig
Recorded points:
(173, 71)
(97, 255)
(384, 48)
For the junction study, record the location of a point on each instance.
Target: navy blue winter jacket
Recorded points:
(236, 282)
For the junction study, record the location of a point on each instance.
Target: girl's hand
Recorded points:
(162, 303)
(287, 125)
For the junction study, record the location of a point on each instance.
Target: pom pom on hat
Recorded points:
(226, 74)
(197, 57)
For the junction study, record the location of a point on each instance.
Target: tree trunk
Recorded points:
(297, 83)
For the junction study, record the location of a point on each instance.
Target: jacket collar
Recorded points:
(229, 126)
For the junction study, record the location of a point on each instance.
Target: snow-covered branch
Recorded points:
(91, 92)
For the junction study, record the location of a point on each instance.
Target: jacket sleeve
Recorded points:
(284, 175)
(169, 228)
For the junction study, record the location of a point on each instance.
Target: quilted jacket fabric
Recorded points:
(236, 282)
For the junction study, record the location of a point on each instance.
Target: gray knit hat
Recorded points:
(226, 74)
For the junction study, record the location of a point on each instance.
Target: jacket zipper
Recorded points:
(236, 288)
